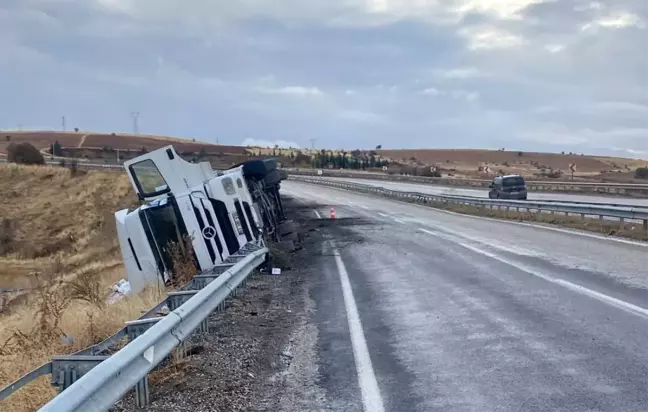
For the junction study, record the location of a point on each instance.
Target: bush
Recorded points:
(24, 153)
(642, 173)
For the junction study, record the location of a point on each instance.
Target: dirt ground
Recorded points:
(48, 213)
(122, 141)
(467, 161)
(244, 362)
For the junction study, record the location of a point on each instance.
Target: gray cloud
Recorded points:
(533, 75)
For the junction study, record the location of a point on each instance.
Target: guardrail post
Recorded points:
(142, 398)
(68, 369)
(622, 223)
(645, 225)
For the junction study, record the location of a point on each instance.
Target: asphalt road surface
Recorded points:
(459, 191)
(422, 310)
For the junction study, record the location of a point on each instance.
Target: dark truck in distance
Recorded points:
(508, 187)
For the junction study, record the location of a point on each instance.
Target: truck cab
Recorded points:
(188, 209)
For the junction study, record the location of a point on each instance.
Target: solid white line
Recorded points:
(317, 214)
(538, 226)
(529, 224)
(371, 398)
(618, 303)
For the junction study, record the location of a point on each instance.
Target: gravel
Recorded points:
(259, 354)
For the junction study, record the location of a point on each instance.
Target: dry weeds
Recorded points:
(58, 242)
(33, 333)
(49, 214)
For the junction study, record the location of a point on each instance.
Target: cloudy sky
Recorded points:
(521, 74)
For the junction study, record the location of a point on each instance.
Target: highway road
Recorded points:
(459, 191)
(421, 310)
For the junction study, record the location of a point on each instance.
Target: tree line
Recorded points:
(356, 159)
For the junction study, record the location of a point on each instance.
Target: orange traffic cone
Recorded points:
(332, 213)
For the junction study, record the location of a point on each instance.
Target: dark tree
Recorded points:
(24, 153)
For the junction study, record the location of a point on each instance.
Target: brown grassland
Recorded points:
(58, 243)
(122, 141)
(458, 162)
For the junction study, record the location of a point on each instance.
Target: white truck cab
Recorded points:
(187, 205)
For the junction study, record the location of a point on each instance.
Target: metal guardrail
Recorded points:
(89, 380)
(584, 187)
(584, 210)
(80, 164)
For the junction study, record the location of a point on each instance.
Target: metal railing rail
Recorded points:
(570, 202)
(591, 209)
(106, 383)
(533, 185)
(221, 281)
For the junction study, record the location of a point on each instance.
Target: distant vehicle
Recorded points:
(508, 187)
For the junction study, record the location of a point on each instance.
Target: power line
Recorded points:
(135, 116)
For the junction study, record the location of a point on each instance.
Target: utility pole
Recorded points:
(135, 116)
(63, 122)
(312, 142)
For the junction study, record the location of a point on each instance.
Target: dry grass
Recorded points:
(32, 334)
(59, 242)
(467, 160)
(49, 214)
(182, 258)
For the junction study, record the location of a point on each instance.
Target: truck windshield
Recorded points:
(513, 181)
(148, 178)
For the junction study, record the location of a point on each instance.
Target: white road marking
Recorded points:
(537, 226)
(383, 215)
(371, 398)
(364, 207)
(398, 220)
(618, 303)
(317, 214)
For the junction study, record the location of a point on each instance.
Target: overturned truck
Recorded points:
(190, 211)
